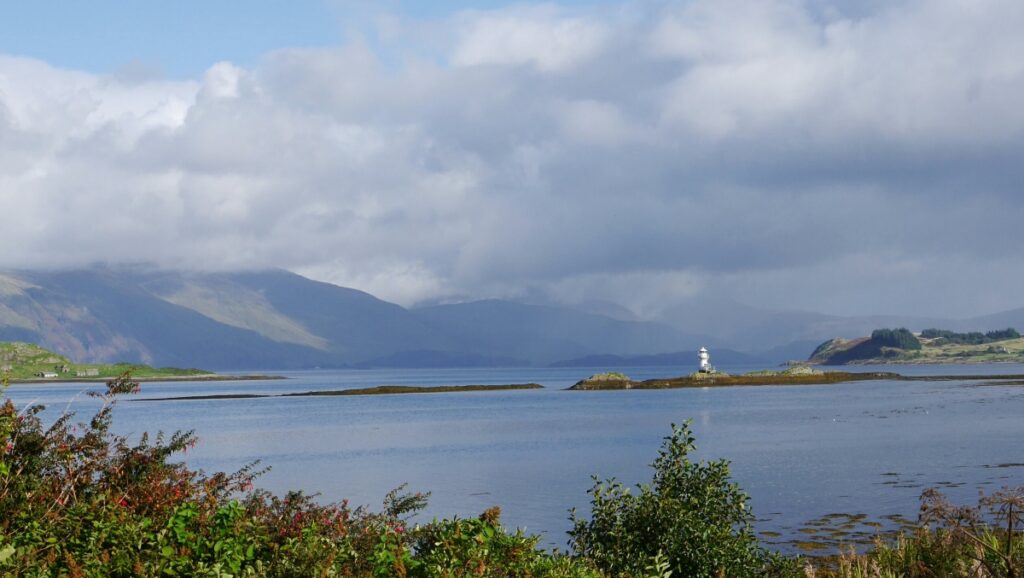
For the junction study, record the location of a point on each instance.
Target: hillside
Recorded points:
(932, 349)
(20, 361)
(279, 320)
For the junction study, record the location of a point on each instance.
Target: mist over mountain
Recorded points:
(277, 319)
(280, 320)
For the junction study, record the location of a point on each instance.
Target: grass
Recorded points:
(935, 351)
(23, 361)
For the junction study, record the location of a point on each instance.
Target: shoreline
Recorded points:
(378, 390)
(826, 378)
(685, 382)
(149, 379)
(926, 361)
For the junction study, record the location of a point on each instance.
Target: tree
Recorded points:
(692, 515)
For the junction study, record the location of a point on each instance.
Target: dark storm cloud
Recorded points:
(777, 150)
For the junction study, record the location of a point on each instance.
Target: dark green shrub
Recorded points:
(482, 548)
(691, 513)
(900, 338)
(972, 338)
(1008, 333)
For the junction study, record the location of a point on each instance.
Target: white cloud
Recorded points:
(537, 36)
(221, 81)
(588, 155)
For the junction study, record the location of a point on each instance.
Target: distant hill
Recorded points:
(722, 358)
(22, 361)
(546, 334)
(901, 346)
(780, 335)
(280, 320)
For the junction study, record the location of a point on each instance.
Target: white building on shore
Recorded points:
(705, 361)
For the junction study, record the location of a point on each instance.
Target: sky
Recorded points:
(835, 156)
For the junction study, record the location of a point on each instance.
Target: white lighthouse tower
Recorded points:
(705, 360)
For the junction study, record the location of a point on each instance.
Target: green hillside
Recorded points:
(21, 361)
(929, 346)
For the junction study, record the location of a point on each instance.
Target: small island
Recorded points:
(799, 375)
(30, 363)
(901, 346)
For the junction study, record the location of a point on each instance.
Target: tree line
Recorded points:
(970, 338)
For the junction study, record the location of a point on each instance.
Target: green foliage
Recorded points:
(972, 338)
(890, 343)
(78, 500)
(691, 514)
(609, 376)
(25, 360)
(984, 541)
(900, 338)
(481, 548)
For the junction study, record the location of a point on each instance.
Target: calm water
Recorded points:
(801, 452)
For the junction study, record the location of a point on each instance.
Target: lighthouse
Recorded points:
(705, 360)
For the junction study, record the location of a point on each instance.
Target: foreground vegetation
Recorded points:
(79, 500)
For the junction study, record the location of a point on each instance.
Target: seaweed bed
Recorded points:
(379, 390)
(780, 378)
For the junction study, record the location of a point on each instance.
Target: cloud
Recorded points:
(635, 153)
(542, 37)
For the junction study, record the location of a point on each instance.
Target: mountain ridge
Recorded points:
(276, 319)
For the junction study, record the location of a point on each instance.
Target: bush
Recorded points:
(481, 548)
(691, 514)
(983, 542)
(78, 500)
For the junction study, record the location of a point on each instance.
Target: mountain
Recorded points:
(277, 319)
(995, 321)
(546, 334)
(107, 315)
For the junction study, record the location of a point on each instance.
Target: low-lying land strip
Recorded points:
(791, 376)
(379, 390)
(29, 363)
(800, 375)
